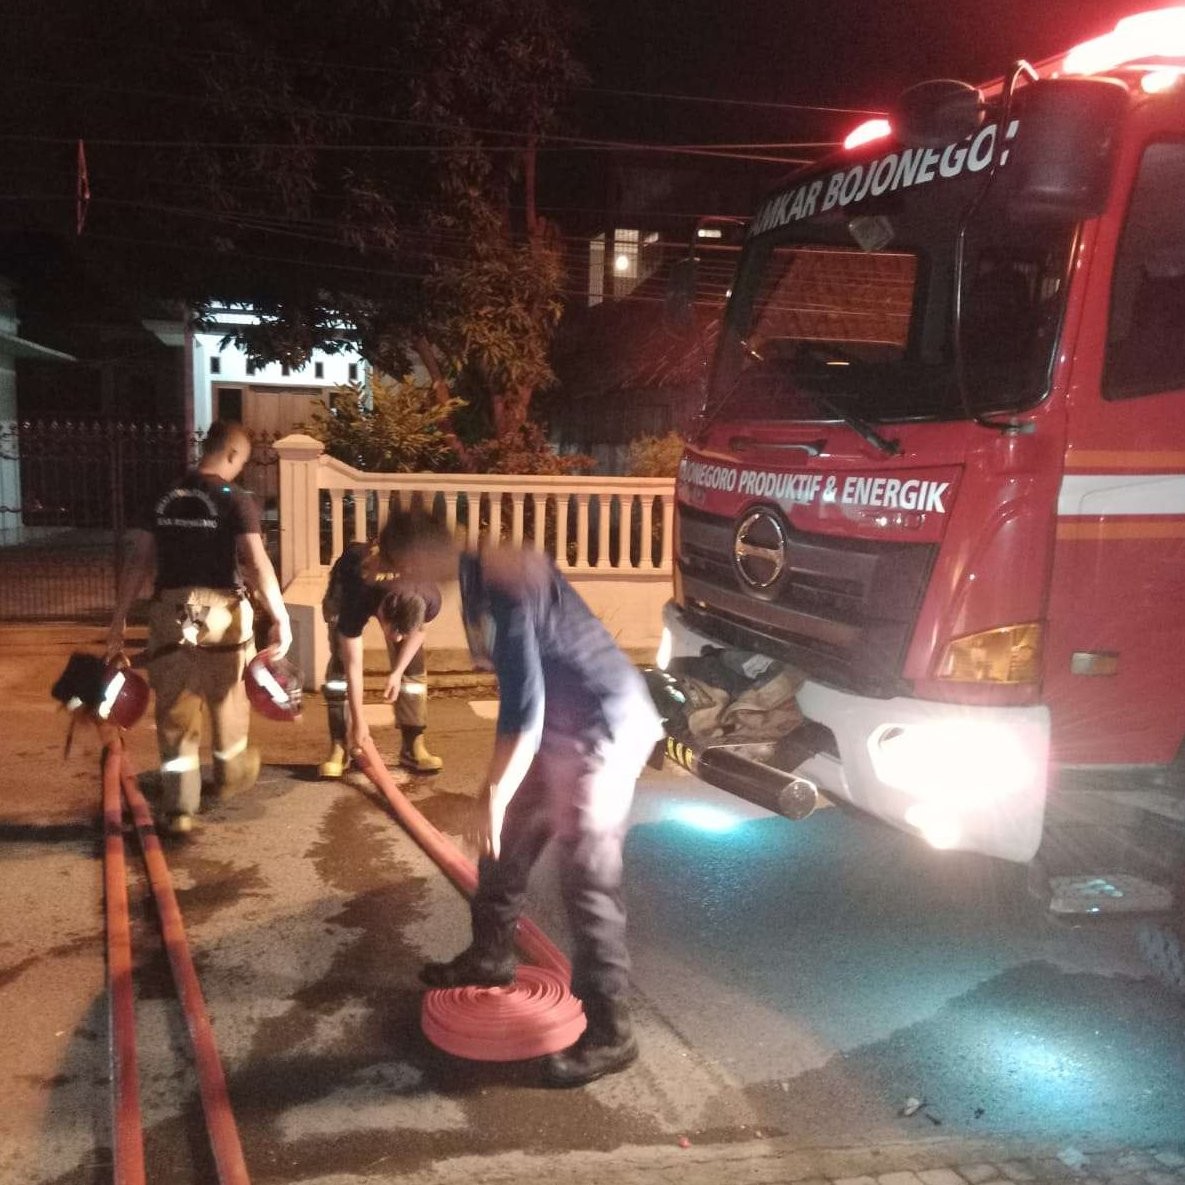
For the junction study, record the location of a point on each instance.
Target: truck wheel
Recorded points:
(1164, 951)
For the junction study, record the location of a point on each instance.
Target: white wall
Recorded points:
(203, 412)
(273, 402)
(10, 467)
(625, 589)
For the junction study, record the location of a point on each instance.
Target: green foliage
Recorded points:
(526, 451)
(496, 310)
(654, 456)
(387, 425)
(273, 172)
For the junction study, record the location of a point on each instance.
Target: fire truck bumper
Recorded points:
(971, 778)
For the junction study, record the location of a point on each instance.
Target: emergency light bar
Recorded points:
(865, 133)
(1149, 38)
(1146, 36)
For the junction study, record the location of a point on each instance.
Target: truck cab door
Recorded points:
(1117, 609)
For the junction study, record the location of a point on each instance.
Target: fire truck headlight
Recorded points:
(662, 657)
(952, 766)
(1010, 654)
(938, 827)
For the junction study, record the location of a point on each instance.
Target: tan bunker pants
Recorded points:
(200, 641)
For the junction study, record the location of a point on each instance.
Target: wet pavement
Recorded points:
(795, 985)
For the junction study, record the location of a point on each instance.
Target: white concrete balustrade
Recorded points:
(611, 537)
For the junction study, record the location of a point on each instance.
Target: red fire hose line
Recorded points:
(534, 944)
(224, 1137)
(220, 1122)
(127, 1129)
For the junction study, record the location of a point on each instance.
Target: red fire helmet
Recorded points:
(125, 695)
(274, 687)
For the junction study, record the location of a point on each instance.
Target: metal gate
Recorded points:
(67, 493)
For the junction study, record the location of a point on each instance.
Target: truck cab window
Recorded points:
(1010, 318)
(1146, 331)
(826, 315)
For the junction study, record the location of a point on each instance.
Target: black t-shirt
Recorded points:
(353, 599)
(196, 523)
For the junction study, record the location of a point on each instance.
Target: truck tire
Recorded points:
(1163, 948)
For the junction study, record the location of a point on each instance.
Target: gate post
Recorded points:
(300, 551)
(300, 527)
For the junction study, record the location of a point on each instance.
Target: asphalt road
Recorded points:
(795, 982)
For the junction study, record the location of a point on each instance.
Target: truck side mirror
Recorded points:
(681, 287)
(937, 113)
(1062, 160)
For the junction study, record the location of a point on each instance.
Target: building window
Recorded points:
(250, 368)
(353, 372)
(285, 370)
(596, 270)
(216, 364)
(318, 370)
(625, 262)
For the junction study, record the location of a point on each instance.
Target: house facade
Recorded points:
(270, 400)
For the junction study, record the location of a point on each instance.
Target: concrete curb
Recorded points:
(941, 1161)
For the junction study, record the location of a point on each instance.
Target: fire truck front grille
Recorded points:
(843, 611)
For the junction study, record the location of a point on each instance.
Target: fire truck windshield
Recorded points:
(854, 310)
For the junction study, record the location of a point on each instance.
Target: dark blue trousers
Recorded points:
(578, 796)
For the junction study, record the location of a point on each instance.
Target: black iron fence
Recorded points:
(67, 494)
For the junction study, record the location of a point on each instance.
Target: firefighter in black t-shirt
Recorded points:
(363, 584)
(200, 538)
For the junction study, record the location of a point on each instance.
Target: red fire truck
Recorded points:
(940, 477)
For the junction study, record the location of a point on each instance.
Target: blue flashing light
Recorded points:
(703, 817)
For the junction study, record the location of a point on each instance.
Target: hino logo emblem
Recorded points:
(759, 549)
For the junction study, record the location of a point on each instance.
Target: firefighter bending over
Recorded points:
(575, 727)
(365, 583)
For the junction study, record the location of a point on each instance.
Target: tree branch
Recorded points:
(440, 389)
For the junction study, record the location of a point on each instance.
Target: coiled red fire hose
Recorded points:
(534, 1015)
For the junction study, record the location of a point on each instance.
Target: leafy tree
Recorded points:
(654, 456)
(526, 450)
(391, 425)
(360, 172)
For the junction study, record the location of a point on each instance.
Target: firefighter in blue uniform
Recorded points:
(575, 727)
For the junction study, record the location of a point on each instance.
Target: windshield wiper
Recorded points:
(830, 355)
(861, 427)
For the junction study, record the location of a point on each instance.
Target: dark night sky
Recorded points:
(835, 53)
(856, 53)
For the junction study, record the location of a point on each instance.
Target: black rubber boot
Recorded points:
(606, 1046)
(473, 967)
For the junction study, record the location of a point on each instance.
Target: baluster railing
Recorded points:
(598, 535)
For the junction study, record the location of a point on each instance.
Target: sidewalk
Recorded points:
(779, 1162)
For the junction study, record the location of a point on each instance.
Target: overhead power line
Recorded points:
(374, 117)
(546, 144)
(767, 104)
(357, 67)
